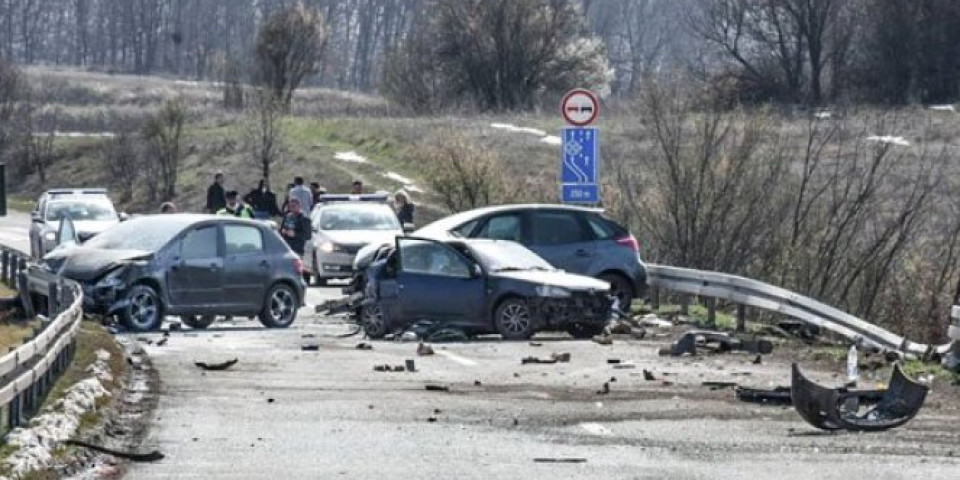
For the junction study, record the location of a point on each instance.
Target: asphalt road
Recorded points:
(285, 413)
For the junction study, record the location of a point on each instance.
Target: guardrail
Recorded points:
(747, 292)
(28, 372)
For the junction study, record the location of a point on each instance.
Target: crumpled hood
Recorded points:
(557, 278)
(87, 264)
(361, 237)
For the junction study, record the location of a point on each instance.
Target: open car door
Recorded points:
(67, 232)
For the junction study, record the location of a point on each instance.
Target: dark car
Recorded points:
(195, 266)
(479, 286)
(576, 239)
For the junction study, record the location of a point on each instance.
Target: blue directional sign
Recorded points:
(580, 165)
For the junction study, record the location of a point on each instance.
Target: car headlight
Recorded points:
(112, 279)
(552, 291)
(50, 236)
(328, 247)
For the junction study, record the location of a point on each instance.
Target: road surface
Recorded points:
(285, 413)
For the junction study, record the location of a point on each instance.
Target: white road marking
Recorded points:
(457, 358)
(595, 428)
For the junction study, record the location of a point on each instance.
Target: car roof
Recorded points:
(190, 219)
(444, 225)
(55, 192)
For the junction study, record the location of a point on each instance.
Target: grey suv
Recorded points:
(576, 239)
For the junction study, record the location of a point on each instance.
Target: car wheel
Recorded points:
(512, 319)
(200, 322)
(584, 330)
(144, 312)
(373, 320)
(280, 309)
(621, 288)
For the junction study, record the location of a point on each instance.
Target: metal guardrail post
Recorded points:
(4, 264)
(53, 300)
(14, 277)
(711, 311)
(15, 412)
(25, 297)
(741, 317)
(684, 304)
(655, 298)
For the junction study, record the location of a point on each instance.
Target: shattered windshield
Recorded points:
(499, 256)
(144, 233)
(81, 210)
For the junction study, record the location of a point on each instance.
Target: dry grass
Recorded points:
(13, 333)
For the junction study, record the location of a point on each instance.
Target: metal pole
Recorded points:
(711, 312)
(53, 303)
(741, 317)
(4, 272)
(684, 304)
(655, 298)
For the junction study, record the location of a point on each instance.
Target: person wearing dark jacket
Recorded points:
(296, 228)
(263, 202)
(404, 207)
(216, 196)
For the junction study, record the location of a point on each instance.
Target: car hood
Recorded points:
(557, 278)
(87, 264)
(361, 237)
(87, 226)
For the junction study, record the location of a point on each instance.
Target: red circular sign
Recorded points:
(580, 107)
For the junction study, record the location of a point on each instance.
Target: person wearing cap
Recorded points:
(235, 207)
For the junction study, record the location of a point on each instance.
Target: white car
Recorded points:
(90, 209)
(340, 230)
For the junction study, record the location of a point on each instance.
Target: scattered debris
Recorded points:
(802, 330)
(526, 360)
(364, 346)
(605, 389)
(437, 388)
(666, 383)
(145, 340)
(270, 400)
(840, 409)
(410, 365)
(776, 396)
(648, 375)
(620, 328)
(431, 419)
(308, 335)
(310, 347)
(388, 368)
(561, 357)
(718, 342)
(560, 460)
(424, 349)
(613, 361)
(153, 456)
(477, 383)
(162, 341)
(624, 366)
(651, 320)
(758, 360)
(536, 344)
(718, 385)
(603, 339)
(217, 366)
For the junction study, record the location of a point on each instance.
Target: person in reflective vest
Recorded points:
(235, 207)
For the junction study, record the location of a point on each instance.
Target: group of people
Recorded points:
(261, 203)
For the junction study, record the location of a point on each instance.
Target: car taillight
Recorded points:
(630, 242)
(298, 266)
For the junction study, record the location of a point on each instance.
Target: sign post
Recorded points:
(580, 149)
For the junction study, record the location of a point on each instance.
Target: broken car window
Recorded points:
(501, 256)
(417, 256)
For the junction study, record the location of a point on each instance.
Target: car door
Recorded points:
(195, 278)
(563, 239)
(436, 282)
(246, 267)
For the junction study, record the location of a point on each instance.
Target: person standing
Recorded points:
(357, 188)
(404, 207)
(302, 193)
(235, 207)
(296, 229)
(263, 201)
(216, 197)
(317, 192)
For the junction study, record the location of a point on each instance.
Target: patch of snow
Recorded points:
(77, 134)
(513, 128)
(552, 140)
(823, 115)
(889, 139)
(398, 178)
(943, 108)
(351, 156)
(59, 421)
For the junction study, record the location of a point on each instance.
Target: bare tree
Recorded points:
(162, 135)
(120, 157)
(263, 132)
(288, 49)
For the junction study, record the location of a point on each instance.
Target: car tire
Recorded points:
(374, 321)
(621, 288)
(584, 330)
(144, 311)
(280, 308)
(198, 322)
(513, 320)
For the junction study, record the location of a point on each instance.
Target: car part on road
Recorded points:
(718, 342)
(436, 388)
(560, 460)
(603, 340)
(424, 349)
(364, 346)
(217, 366)
(842, 409)
(648, 376)
(561, 357)
(713, 385)
(526, 360)
(310, 347)
(775, 396)
(410, 365)
(198, 322)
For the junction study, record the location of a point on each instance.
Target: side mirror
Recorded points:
(123, 216)
(409, 227)
(476, 271)
(35, 216)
